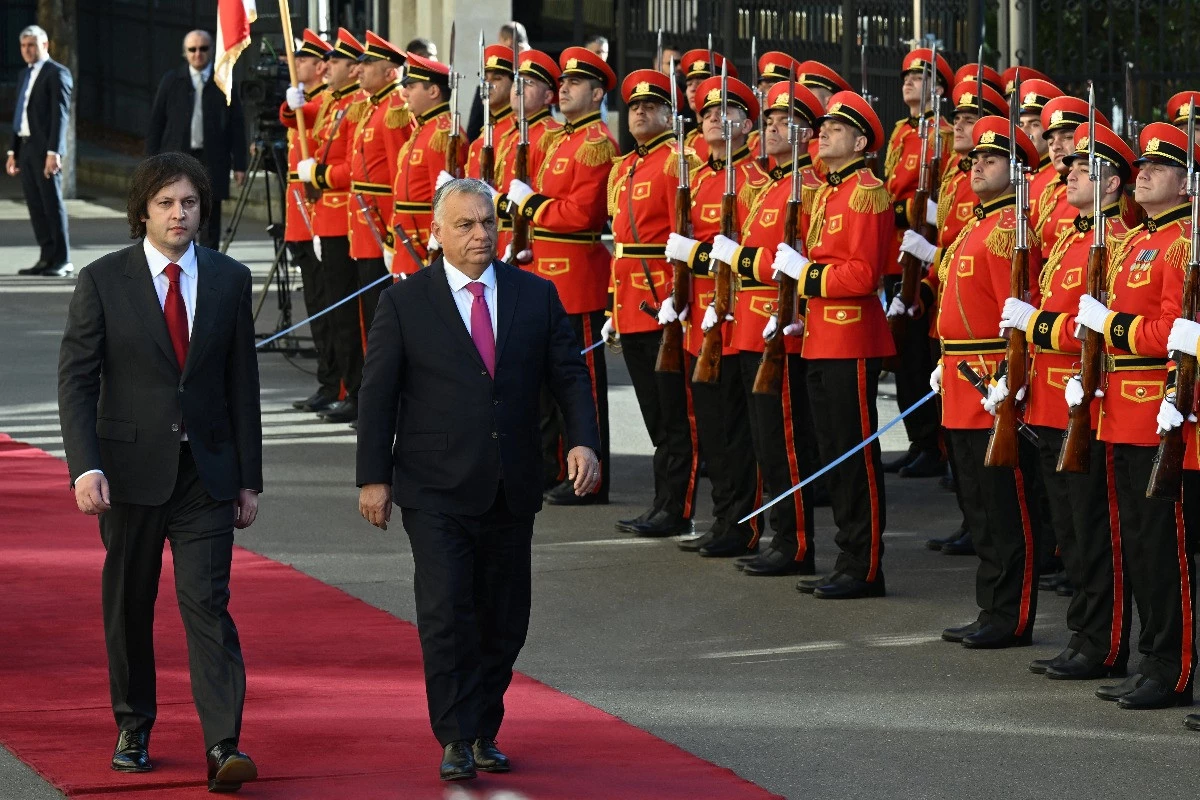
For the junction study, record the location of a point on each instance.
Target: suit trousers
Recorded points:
(784, 444)
(472, 587)
(1159, 567)
(842, 394)
(998, 510)
(726, 441)
(587, 332)
(200, 531)
(1081, 505)
(47, 213)
(665, 404)
(912, 378)
(317, 298)
(345, 331)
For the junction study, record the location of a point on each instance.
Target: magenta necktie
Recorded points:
(481, 326)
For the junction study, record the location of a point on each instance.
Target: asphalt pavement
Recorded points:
(807, 698)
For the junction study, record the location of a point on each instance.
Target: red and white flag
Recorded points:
(233, 36)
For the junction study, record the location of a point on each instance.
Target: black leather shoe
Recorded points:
(703, 540)
(36, 269)
(809, 585)
(962, 546)
(1039, 665)
(1050, 582)
(1153, 693)
(897, 464)
(341, 411)
(1081, 668)
(228, 767)
(626, 525)
(1065, 589)
(956, 635)
(938, 544)
(727, 545)
(773, 562)
(564, 495)
(1192, 722)
(60, 271)
(925, 465)
(488, 757)
(458, 762)
(992, 637)
(1118, 690)
(314, 402)
(661, 524)
(132, 753)
(741, 561)
(845, 587)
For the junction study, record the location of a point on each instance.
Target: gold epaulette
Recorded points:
(748, 192)
(397, 117)
(808, 193)
(1003, 238)
(892, 157)
(440, 139)
(1179, 253)
(596, 149)
(356, 110)
(671, 167)
(869, 195)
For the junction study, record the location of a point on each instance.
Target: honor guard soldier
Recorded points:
(696, 70)
(642, 195)
(772, 67)
(781, 424)
(1177, 108)
(1009, 79)
(1035, 94)
(425, 154)
(498, 73)
(902, 167)
(722, 420)
(847, 235)
(971, 72)
(824, 83)
(567, 208)
(956, 205)
(975, 276)
(308, 98)
(1061, 118)
(1080, 502)
(328, 169)
(1145, 290)
(540, 74)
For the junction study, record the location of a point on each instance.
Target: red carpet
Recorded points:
(326, 672)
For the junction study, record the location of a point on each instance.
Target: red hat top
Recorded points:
(918, 61)
(967, 99)
(346, 46)
(990, 76)
(804, 102)
(695, 65)
(852, 108)
(708, 95)
(1066, 113)
(583, 63)
(498, 58)
(650, 84)
(816, 75)
(420, 68)
(313, 45)
(536, 64)
(1177, 106)
(380, 49)
(1009, 77)
(776, 66)
(1109, 146)
(1035, 93)
(1163, 143)
(991, 136)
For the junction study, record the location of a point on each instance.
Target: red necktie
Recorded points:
(481, 326)
(176, 314)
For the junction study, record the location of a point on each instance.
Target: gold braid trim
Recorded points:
(807, 195)
(817, 224)
(945, 199)
(894, 150)
(1179, 253)
(1118, 247)
(397, 117)
(1052, 262)
(949, 254)
(671, 167)
(356, 111)
(616, 177)
(440, 140)
(870, 199)
(595, 151)
(748, 194)
(1001, 241)
(1047, 198)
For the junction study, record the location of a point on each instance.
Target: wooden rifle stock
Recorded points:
(670, 348)
(1166, 476)
(708, 364)
(1002, 447)
(520, 240)
(769, 379)
(487, 165)
(1075, 455)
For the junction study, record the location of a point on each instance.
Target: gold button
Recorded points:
(841, 315)
(620, 306)
(1140, 391)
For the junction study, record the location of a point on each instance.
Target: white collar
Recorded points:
(205, 73)
(40, 62)
(457, 279)
(158, 262)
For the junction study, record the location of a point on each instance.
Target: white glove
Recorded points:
(666, 311)
(723, 249)
(997, 393)
(771, 326)
(931, 213)
(795, 329)
(1074, 391)
(507, 257)
(388, 257)
(918, 247)
(897, 308)
(935, 378)
(679, 247)
(317, 247)
(305, 170)
(433, 244)
(1092, 313)
(1183, 336)
(295, 97)
(710, 319)
(1016, 314)
(442, 179)
(789, 262)
(608, 332)
(519, 192)
(1169, 417)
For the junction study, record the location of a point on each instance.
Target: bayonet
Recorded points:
(658, 51)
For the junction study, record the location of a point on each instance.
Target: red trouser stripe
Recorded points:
(689, 498)
(1185, 597)
(872, 479)
(1027, 587)
(1118, 562)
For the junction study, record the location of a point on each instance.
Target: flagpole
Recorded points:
(289, 46)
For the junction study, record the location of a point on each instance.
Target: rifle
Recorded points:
(1166, 476)
(871, 158)
(487, 153)
(708, 363)
(454, 160)
(1075, 455)
(520, 242)
(1131, 125)
(763, 160)
(980, 381)
(670, 348)
(1002, 447)
(769, 379)
(658, 52)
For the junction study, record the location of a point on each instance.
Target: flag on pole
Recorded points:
(233, 36)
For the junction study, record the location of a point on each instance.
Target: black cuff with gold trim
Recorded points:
(1120, 330)
(610, 304)
(746, 258)
(813, 284)
(503, 207)
(1045, 325)
(701, 261)
(389, 239)
(532, 204)
(319, 176)
(900, 209)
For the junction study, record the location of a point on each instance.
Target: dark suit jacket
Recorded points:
(49, 107)
(224, 128)
(121, 397)
(434, 424)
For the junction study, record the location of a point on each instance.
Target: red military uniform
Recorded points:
(1054, 214)
(299, 222)
(334, 129)
(385, 126)
(499, 59)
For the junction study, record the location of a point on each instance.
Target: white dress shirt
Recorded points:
(33, 75)
(199, 78)
(463, 297)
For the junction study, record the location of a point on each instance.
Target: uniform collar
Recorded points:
(439, 109)
(379, 96)
(913, 122)
(995, 206)
(781, 171)
(310, 95)
(835, 178)
(1175, 214)
(537, 116)
(1043, 162)
(965, 163)
(1085, 222)
(503, 113)
(581, 123)
(643, 150)
(338, 94)
(718, 164)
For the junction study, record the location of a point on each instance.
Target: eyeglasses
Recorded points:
(201, 49)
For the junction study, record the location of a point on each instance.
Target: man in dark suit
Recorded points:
(448, 428)
(38, 143)
(158, 399)
(190, 115)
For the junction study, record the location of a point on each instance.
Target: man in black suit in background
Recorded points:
(38, 143)
(448, 428)
(190, 115)
(158, 399)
